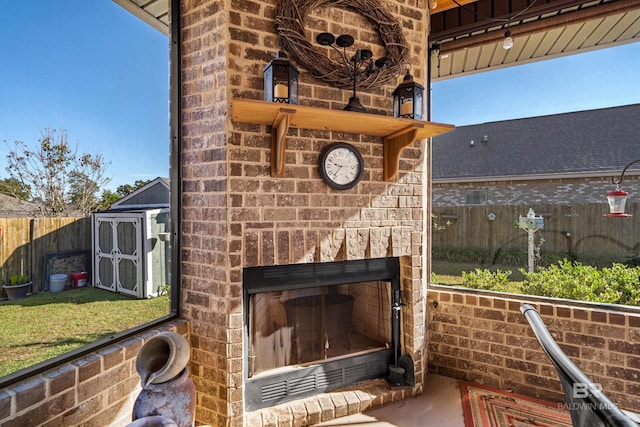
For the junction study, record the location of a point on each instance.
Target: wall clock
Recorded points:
(341, 166)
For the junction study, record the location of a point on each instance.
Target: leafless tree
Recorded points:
(59, 179)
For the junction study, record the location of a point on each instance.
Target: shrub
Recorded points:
(487, 280)
(633, 262)
(500, 256)
(510, 256)
(572, 280)
(475, 255)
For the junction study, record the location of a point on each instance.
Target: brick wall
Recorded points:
(236, 215)
(483, 337)
(96, 390)
(548, 191)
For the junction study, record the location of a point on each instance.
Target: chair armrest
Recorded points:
(634, 417)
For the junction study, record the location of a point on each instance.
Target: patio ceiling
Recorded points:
(153, 12)
(467, 39)
(467, 35)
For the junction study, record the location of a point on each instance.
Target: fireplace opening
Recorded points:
(303, 326)
(311, 328)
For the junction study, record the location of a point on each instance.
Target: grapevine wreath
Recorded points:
(290, 18)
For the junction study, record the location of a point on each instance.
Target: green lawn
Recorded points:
(46, 325)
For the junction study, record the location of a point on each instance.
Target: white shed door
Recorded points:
(118, 254)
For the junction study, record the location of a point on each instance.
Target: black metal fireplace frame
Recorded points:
(284, 386)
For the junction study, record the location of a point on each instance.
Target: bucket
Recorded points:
(57, 282)
(79, 278)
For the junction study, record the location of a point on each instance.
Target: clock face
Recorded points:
(341, 166)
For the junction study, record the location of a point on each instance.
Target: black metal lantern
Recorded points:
(407, 99)
(281, 80)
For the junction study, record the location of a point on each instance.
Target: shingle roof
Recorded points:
(593, 141)
(10, 207)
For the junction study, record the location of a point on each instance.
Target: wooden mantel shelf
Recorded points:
(397, 133)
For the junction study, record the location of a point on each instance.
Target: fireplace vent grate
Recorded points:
(355, 371)
(326, 379)
(316, 383)
(302, 385)
(318, 379)
(273, 391)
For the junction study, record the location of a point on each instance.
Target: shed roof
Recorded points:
(154, 194)
(585, 143)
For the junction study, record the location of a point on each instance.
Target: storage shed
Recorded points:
(131, 242)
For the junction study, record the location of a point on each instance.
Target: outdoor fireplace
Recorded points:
(311, 328)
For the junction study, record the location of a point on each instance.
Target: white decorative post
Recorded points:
(531, 223)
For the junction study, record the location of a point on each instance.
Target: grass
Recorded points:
(46, 325)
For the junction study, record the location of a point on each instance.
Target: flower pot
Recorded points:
(17, 291)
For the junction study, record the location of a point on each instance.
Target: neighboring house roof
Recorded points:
(584, 143)
(12, 207)
(155, 194)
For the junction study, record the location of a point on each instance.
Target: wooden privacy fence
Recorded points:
(580, 229)
(25, 241)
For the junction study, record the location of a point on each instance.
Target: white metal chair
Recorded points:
(587, 403)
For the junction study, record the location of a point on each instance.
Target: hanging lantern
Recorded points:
(281, 80)
(407, 99)
(617, 200)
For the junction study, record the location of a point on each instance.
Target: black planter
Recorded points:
(17, 291)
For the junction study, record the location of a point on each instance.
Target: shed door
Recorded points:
(118, 254)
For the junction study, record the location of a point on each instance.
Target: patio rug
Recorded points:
(490, 407)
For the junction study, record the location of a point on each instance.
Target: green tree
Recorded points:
(126, 189)
(109, 197)
(59, 179)
(13, 187)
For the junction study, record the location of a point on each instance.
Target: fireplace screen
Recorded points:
(312, 328)
(302, 326)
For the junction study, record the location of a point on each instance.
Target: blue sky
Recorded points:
(92, 69)
(96, 71)
(596, 79)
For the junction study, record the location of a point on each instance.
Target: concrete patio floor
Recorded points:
(440, 405)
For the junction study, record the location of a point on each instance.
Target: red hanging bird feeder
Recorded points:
(618, 198)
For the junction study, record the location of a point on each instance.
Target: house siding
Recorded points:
(548, 191)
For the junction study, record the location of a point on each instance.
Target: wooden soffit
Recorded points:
(466, 35)
(468, 38)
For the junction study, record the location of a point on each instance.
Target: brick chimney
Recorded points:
(236, 215)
